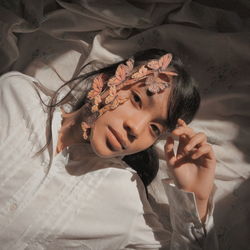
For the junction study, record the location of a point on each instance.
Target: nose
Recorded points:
(135, 126)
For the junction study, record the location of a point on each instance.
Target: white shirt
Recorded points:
(76, 200)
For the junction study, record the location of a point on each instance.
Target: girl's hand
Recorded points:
(193, 166)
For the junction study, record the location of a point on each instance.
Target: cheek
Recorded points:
(116, 118)
(98, 129)
(98, 139)
(144, 142)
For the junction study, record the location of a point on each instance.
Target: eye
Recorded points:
(156, 130)
(136, 98)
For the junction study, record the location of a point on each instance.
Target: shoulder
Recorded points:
(13, 76)
(17, 81)
(19, 100)
(18, 85)
(18, 91)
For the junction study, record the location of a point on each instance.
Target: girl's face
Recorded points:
(134, 125)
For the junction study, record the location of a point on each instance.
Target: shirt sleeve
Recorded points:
(17, 98)
(188, 232)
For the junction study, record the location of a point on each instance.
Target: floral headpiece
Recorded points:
(103, 99)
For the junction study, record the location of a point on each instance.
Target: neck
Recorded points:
(70, 132)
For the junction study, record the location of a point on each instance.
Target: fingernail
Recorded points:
(194, 156)
(175, 131)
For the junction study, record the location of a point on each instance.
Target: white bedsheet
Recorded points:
(214, 44)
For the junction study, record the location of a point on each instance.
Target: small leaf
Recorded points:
(97, 99)
(143, 71)
(112, 94)
(164, 61)
(104, 109)
(94, 108)
(114, 104)
(122, 99)
(130, 65)
(85, 127)
(154, 64)
(113, 81)
(155, 84)
(97, 86)
(129, 82)
(122, 71)
(169, 73)
(118, 100)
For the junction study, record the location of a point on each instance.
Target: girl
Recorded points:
(86, 188)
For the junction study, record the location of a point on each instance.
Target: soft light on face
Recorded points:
(133, 126)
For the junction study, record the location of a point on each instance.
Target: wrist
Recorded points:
(202, 206)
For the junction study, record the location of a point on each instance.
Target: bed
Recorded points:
(51, 39)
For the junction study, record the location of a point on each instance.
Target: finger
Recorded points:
(169, 151)
(205, 149)
(181, 122)
(183, 140)
(189, 132)
(197, 140)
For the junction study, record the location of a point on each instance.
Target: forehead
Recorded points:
(155, 103)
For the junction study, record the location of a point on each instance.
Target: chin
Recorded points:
(101, 147)
(101, 150)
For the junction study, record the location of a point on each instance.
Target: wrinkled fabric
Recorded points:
(74, 199)
(212, 39)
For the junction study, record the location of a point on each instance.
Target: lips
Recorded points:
(118, 139)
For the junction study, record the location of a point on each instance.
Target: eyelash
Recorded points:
(135, 96)
(158, 130)
(138, 98)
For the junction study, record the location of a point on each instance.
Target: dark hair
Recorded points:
(183, 103)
